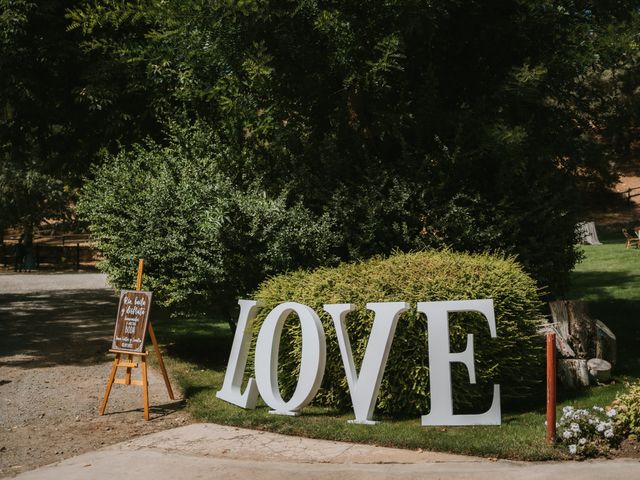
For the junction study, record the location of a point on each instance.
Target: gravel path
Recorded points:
(55, 333)
(51, 282)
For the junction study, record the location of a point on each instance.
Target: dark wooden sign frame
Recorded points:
(131, 322)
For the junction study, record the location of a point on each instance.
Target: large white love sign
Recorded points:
(365, 385)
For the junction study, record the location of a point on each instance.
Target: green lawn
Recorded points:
(609, 279)
(198, 349)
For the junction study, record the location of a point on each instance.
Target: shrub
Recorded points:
(514, 359)
(205, 241)
(588, 433)
(627, 405)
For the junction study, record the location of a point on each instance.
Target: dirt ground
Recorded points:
(55, 333)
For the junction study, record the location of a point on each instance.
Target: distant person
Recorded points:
(19, 252)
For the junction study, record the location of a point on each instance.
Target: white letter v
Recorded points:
(364, 387)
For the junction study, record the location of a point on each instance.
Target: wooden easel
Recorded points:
(120, 362)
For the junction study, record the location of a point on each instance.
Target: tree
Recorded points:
(409, 123)
(60, 106)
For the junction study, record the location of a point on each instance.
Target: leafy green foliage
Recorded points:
(627, 405)
(30, 126)
(60, 105)
(410, 124)
(204, 241)
(514, 359)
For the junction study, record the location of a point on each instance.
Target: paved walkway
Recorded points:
(207, 451)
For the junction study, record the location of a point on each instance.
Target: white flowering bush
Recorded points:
(588, 432)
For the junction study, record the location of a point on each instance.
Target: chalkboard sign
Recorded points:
(131, 322)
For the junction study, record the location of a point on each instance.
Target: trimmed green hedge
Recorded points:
(514, 359)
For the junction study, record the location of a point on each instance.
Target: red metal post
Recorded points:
(551, 387)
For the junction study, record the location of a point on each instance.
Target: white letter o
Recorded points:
(314, 353)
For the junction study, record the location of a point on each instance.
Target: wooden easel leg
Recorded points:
(127, 377)
(153, 335)
(145, 387)
(112, 376)
(160, 361)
